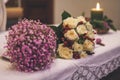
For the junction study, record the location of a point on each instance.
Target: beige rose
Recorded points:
(70, 22)
(71, 35)
(81, 18)
(77, 47)
(89, 26)
(83, 54)
(81, 29)
(65, 52)
(90, 34)
(88, 45)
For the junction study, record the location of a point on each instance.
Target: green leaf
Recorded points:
(112, 27)
(81, 39)
(109, 21)
(105, 18)
(83, 13)
(65, 15)
(59, 33)
(54, 28)
(98, 24)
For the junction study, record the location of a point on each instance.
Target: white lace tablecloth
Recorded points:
(105, 60)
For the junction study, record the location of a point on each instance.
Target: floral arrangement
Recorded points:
(31, 45)
(75, 37)
(103, 26)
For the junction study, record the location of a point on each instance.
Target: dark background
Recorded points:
(33, 9)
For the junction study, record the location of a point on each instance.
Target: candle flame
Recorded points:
(98, 6)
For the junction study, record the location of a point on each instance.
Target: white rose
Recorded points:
(71, 35)
(89, 26)
(70, 22)
(81, 29)
(88, 45)
(90, 34)
(65, 52)
(81, 18)
(77, 47)
(83, 54)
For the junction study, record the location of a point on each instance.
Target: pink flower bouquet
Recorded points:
(31, 45)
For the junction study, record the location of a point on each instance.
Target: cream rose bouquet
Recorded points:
(75, 37)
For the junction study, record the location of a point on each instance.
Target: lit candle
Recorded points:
(97, 13)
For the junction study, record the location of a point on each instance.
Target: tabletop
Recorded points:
(105, 60)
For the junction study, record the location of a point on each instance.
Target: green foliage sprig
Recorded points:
(106, 23)
(58, 29)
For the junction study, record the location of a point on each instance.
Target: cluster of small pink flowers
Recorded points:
(30, 45)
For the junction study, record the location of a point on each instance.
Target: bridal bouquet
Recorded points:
(75, 37)
(31, 45)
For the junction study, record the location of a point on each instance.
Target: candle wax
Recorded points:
(96, 14)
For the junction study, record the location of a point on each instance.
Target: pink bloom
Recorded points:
(106, 24)
(31, 45)
(26, 49)
(98, 41)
